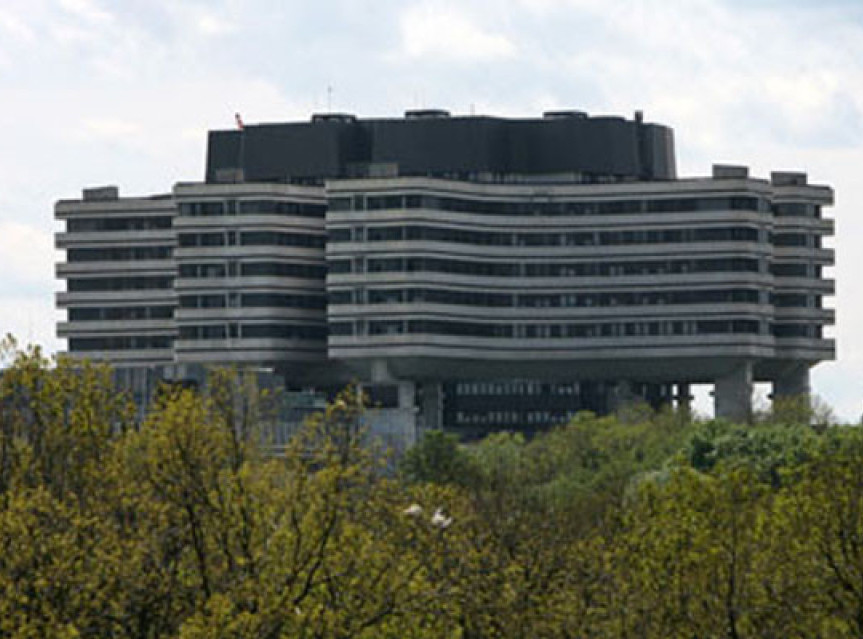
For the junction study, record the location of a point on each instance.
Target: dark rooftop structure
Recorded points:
(434, 144)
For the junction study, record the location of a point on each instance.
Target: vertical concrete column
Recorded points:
(732, 396)
(380, 371)
(432, 406)
(620, 395)
(407, 395)
(793, 381)
(407, 414)
(684, 398)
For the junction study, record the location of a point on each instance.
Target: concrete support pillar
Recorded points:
(793, 382)
(683, 396)
(407, 395)
(380, 371)
(620, 395)
(732, 396)
(431, 406)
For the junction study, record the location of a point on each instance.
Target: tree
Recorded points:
(437, 458)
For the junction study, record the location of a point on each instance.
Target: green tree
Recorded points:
(439, 459)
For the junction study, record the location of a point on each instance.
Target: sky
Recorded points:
(97, 92)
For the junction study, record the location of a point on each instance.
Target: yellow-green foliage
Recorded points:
(640, 526)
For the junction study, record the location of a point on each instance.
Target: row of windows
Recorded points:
(82, 285)
(794, 300)
(204, 271)
(233, 268)
(253, 300)
(134, 343)
(523, 208)
(284, 269)
(588, 238)
(512, 418)
(797, 240)
(298, 331)
(793, 269)
(796, 209)
(103, 313)
(253, 331)
(545, 331)
(252, 238)
(797, 330)
(528, 388)
(566, 269)
(119, 254)
(89, 225)
(212, 208)
(317, 302)
(546, 300)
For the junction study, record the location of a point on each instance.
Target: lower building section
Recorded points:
(477, 408)
(400, 409)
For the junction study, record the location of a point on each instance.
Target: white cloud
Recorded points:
(110, 128)
(31, 321)
(434, 30)
(211, 24)
(87, 10)
(28, 257)
(15, 27)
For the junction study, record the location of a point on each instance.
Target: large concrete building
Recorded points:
(475, 273)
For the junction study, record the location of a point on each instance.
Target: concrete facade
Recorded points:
(475, 299)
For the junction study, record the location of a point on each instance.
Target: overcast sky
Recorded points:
(96, 92)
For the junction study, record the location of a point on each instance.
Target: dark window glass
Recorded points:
(202, 209)
(119, 254)
(386, 327)
(469, 329)
(790, 300)
(119, 283)
(284, 331)
(339, 266)
(282, 300)
(270, 238)
(794, 209)
(341, 328)
(280, 207)
(107, 224)
(192, 271)
(111, 313)
(385, 234)
(339, 204)
(790, 239)
(339, 235)
(201, 239)
(790, 330)
(202, 301)
(788, 269)
(283, 269)
(340, 297)
(135, 342)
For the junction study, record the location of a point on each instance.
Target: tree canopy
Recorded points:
(639, 525)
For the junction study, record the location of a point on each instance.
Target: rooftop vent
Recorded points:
(101, 194)
(569, 113)
(730, 171)
(426, 114)
(334, 117)
(787, 178)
